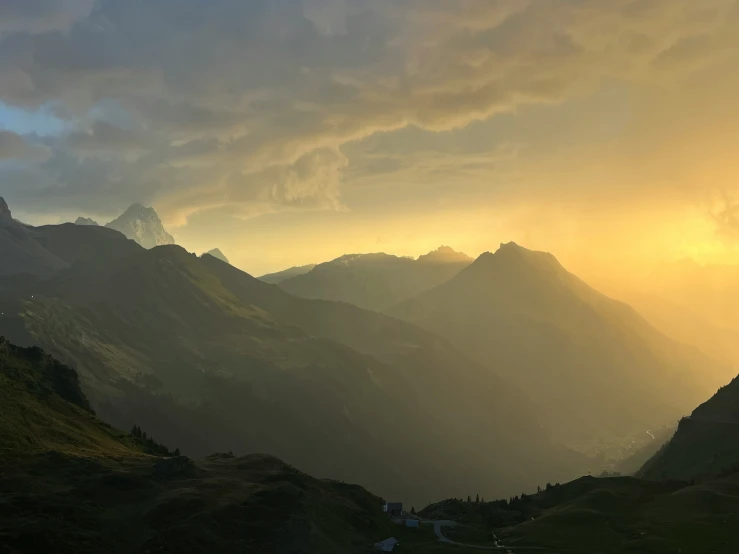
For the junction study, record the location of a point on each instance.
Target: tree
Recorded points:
(538, 489)
(176, 451)
(549, 486)
(477, 499)
(469, 498)
(482, 499)
(413, 510)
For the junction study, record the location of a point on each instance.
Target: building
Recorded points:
(387, 545)
(393, 509)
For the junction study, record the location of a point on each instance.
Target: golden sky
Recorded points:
(287, 132)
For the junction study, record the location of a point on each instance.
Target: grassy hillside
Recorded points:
(72, 484)
(375, 281)
(594, 365)
(207, 358)
(604, 516)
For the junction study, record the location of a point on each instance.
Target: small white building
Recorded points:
(387, 545)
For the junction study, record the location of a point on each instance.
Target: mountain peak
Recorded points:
(444, 254)
(4, 210)
(216, 253)
(142, 224)
(86, 221)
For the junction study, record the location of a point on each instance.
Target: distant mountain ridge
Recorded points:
(280, 276)
(85, 221)
(376, 281)
(593, 364)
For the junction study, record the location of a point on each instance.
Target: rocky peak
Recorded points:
(445, 255)
(142, 224)
(4, 210)
(216, 253)
(85, 221)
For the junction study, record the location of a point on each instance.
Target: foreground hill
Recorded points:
(376, 281)
(72, 484)
(210, 359)
(594, 365)
(605, 516)
(705, 444)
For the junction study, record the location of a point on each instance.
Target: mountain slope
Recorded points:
(72, 484)
(208, 358)
(705, 444)
(593, 364)
(279, 276)
(376, 281)
(142, 225)
(19, 250)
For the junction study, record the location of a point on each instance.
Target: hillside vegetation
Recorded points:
(72, 484)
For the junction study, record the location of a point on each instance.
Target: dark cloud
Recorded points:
(37, 16)
(14, 147)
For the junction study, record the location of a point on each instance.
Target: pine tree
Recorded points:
(176, 451)
(477, 499)
(413, 510)
(469, 498)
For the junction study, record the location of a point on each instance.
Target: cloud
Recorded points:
(726, 218)
(14, 147)
(39, 16)
(252, 104)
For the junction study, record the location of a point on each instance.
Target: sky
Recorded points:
(288, 132)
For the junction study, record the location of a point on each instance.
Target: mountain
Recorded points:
(376, 281)
(142, 225)
(208, 358)
(85, 221)
(706, 443)
(593, 364)
(20, 251)
(72, 484)
(278, 277)
(445, 255)
(216, 253)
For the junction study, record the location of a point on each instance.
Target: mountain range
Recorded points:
(511, 354)
(376, 281)
(279, 276)
(594, 366)
(211, 359)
